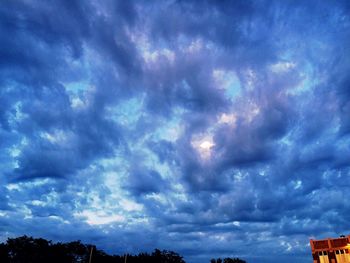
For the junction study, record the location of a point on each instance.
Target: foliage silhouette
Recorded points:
(26, 249)
(227, 260)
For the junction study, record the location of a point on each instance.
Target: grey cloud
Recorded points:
(278, 171)
(143, 181)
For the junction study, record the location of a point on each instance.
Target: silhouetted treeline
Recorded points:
(38, 250)
(227, 260)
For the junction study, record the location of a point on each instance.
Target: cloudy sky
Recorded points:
(211, 128)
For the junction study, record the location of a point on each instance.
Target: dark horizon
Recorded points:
(25, 249)
(210, 128)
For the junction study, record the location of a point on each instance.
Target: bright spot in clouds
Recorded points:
(203, 145)
(206, 145)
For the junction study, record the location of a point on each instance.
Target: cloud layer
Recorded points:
(206, 128)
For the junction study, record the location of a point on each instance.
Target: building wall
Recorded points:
(331, 250)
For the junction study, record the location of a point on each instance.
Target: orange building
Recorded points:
(331, 250)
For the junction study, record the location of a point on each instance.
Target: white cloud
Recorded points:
(93, 217)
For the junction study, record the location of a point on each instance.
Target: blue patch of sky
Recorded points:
(169, 130)
(234, 87)
(127, 112)
(228, 82)
(308, 82)
(76, 88)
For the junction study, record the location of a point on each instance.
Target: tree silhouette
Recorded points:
(233, 260)
(227, 260)
(26, 249)
(4, 253)
(31, 250)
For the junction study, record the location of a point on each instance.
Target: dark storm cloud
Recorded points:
(35, 37)
(35, 64)
(164, 150)
(142, 181)
(205, 125)
(81, 136)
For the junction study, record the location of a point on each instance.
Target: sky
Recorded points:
(210, 128)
